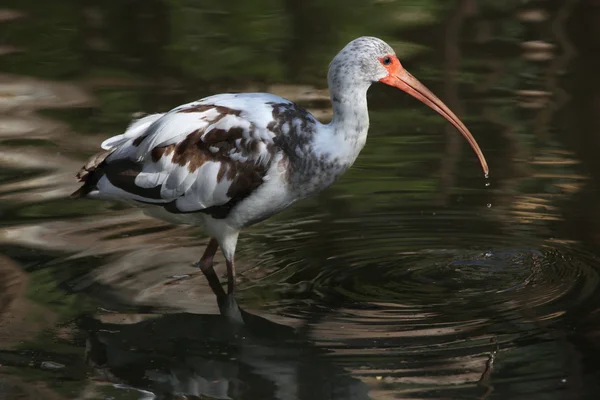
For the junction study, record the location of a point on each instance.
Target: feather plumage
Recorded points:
(196, 158)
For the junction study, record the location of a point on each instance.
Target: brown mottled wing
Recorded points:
(204, 156)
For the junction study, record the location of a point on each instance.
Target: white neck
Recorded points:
(350, 122)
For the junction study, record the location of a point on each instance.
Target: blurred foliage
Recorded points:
(237, 40)
(49, 37)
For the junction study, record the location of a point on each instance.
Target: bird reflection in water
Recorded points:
(232, 355)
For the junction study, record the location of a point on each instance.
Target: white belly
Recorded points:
(268, 199)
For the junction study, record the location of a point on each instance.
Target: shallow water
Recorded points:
(413, 277)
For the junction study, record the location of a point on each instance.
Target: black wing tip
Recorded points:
(79, 193)
(89, 184)
(88, 174)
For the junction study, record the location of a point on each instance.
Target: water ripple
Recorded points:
(421, 300)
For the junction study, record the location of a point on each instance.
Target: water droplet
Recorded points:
(489, 205)
(487, 184)
(180, 276)
(51, 365)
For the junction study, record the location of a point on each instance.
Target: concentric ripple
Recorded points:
(442, 312)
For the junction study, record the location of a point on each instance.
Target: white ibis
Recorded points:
(231, 160)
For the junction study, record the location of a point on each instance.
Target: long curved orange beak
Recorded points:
(403, 80)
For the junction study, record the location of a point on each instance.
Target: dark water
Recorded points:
(412, 278)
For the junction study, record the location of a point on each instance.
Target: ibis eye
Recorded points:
(387, 60)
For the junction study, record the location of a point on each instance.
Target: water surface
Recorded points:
(413, 277)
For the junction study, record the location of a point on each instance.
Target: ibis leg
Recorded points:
(230, 276)
(227, 304)
(206, 266)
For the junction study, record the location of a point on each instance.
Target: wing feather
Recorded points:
(198, 156)
(135, 129)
